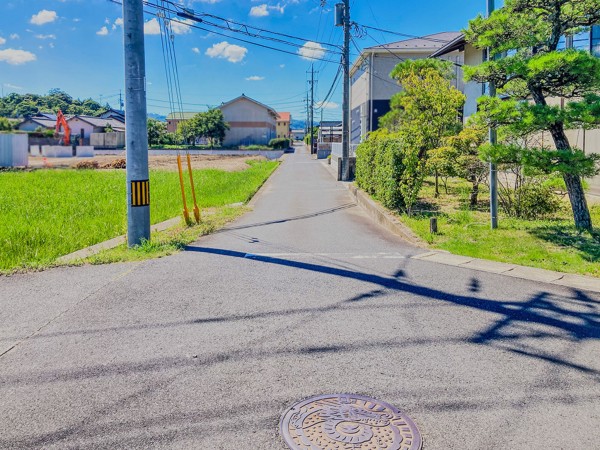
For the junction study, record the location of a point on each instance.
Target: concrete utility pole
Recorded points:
(491, 6)
(345, 175)
(138, 185)
(312, 107)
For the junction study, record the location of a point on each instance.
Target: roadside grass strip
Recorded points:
(45, 214)
(552, 243)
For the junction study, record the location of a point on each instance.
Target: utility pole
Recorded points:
(120, 100)
(312, 107)
(307, 114)
(138, 185)
(345, 175)
(491, 6)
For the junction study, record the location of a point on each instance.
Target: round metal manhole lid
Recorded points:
(346, 421)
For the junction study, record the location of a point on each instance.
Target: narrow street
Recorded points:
(303, 296)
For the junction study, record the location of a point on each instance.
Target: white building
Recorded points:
(372, 86)
(250, 122)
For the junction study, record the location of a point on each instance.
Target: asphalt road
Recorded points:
(303, 296)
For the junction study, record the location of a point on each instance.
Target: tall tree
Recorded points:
(212, 125)
(523, 38)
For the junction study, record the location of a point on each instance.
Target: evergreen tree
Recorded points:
(527, 66)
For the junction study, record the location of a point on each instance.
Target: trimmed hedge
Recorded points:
(380, 167)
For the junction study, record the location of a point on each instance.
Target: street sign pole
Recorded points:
(138, 185)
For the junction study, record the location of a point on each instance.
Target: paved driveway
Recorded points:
(303, 296)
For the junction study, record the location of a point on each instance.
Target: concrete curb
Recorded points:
(112, 243)
(391, 223)
(513, 270)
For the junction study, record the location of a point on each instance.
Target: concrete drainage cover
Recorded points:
(345, 421)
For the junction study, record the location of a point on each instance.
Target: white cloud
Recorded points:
(259, 11)
(225, 50)
(44, 16)
(2, 41)
(118, 23)
(282, 66)
(152, 27)
(312, 50)
(255, 78)
(14, 36)
(182, 26)
(327, 105)
(45, 36)
(196, 50)
(212, 2)
(13, 86)
(16, 57)
(102, 31)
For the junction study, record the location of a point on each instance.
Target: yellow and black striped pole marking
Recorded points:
(140, 193)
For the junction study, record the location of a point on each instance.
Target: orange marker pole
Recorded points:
(196, 209)
(186, 213)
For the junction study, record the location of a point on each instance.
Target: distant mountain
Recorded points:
(298, 124)
(157, 117)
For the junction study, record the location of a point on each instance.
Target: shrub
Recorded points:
(535, 201)
(380, 168)
(279, 143)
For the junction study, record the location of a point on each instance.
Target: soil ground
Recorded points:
(166, 162)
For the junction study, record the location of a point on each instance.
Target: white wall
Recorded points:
(14, 150)
(77, 124)
(472, 90)
(250, 124)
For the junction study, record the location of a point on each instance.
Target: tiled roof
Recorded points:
(284, 116)
(101, 123)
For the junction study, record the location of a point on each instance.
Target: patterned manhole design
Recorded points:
(346, 421)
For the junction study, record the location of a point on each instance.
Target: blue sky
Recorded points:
(76, 45)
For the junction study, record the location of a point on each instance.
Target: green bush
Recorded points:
(380, 167)
(535, 201)
(279, 143)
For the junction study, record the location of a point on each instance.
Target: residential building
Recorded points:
(173, 120)
(284, 125)
(298, 134)
(250, 122)
(84, 126)
(372, 87)
(330, 131)
(41, 120)
(113, 114)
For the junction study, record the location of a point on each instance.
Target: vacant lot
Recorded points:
(45, 214)
(167, 162)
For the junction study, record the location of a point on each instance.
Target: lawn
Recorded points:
(45, 214)
(552, 244)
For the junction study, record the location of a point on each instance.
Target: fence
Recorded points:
(336, 149)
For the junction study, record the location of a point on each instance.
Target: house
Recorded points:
(298, 134)
(250, 122)
(173, 120)
(284, 125)
(372, 87)
(38, 121)
(84, 126)
(113, 114)
(330, 131)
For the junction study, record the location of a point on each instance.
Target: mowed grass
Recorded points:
(45, 214)
(552, 244)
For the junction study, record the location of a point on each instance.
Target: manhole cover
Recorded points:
(345, 421)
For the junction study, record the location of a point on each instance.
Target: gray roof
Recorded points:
(245, 97)
(101, 123)
(431, 42)
(41, 121)
(456, 44)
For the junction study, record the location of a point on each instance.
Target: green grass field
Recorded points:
(552, 244)
(45, 214)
